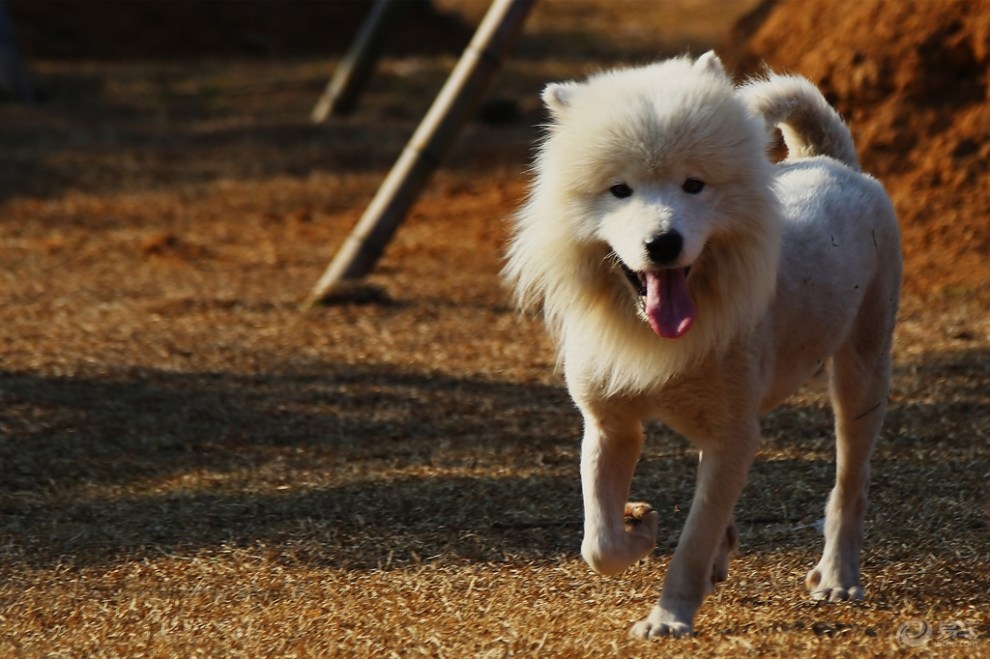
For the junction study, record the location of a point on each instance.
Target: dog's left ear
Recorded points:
(710, 63)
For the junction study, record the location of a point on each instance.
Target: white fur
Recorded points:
(791, 265)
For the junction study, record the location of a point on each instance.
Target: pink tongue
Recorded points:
(668, 305)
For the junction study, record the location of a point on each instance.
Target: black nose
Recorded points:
(665, 247)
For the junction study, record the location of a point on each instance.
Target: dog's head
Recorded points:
(659, 163)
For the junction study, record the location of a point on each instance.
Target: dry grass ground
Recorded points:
(189, 465)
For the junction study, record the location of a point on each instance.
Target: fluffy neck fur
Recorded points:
(594, 318)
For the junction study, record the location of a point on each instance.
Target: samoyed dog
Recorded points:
(686, 277)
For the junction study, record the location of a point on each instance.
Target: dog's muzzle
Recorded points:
(665, 248)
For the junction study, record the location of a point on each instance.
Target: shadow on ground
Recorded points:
(373, 467)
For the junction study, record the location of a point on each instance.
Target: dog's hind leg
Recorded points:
(728, 546)
(859, 385)
(617, 533)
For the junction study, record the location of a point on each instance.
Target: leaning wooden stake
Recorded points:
(454, 104)
(342, 92)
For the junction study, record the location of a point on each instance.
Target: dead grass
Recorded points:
(189, 465)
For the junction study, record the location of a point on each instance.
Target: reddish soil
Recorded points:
(912, 79)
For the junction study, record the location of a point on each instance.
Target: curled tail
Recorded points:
(811, 127)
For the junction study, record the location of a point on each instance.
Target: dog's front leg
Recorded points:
(708, 534)
(616, 533)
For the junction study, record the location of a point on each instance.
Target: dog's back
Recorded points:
(841, 254)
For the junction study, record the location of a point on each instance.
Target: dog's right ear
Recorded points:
(557, 97)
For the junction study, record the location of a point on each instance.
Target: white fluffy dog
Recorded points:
(686, 277)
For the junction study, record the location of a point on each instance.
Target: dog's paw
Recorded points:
(661, 623)
(609, 551)
(827, 586)
(642, 524)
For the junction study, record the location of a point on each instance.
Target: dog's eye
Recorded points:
(693, 186)
(620, 191)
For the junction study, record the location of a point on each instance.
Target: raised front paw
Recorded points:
(661, 623)
(642, 523)
(610, 550)
(829, 585)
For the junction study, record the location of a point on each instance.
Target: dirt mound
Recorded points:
(912, 80)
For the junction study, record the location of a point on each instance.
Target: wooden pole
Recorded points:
(342, 92)
(454, 104)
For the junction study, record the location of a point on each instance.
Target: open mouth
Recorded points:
(665, 300)
(638, 279)
(637, 282)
